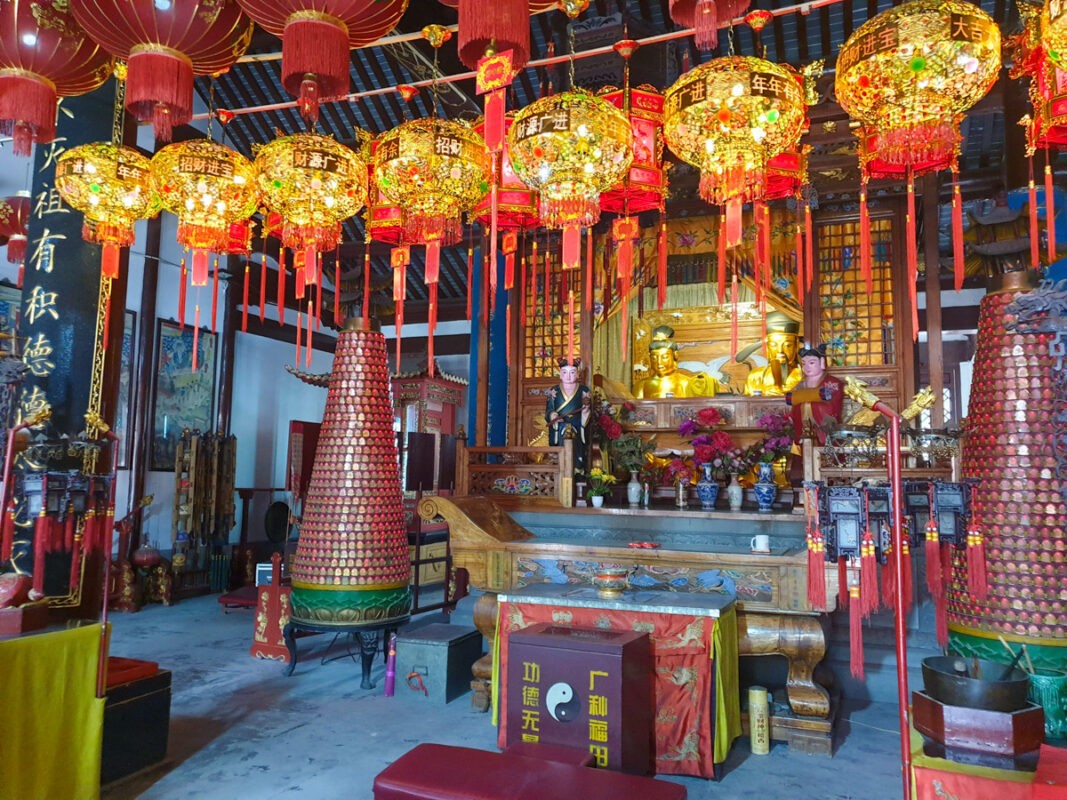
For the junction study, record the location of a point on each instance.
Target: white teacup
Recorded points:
(761, 543)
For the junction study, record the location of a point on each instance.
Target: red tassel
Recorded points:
(799, 258)
(889, 579)
(181, 297)
(734, 227)
(816, 571)
(507, 27)
(494, 194)
(75, 565)
(196, 339)
(522, 289)
(722, 261)
(959, 265)
(299, 334)
(263, 282)
(865, 241)
(588, 271)
(307, 341)
(572, 247)
(299, 276)
(366, 285)
(842, 582)
(977, 576)
(68, 531)
(933, 558)
(868, 575)
(315, 61)
(733, 314)
(570, 328)
(533, 280)
(215, 295)
(912, 247)
(159, 88)
(1035, 250)
(35, 98)
(200, 267)
(547, 281)
(7, 531)
(337, 291)
(494, 117)
(661, 265)
(507, 331)
(470, 270)
(40, 543)
(809, 247)
(281, 286)
(941, 619)
(855, 632)
(109, 261)
(706, 25)
(433, 262)
(1050, 210)
(244, 302)
(909, 587)
(431, 328)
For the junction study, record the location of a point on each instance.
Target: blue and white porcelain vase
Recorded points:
(765, 488)
(707, 490)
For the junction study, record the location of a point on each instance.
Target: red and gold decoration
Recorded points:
(1019, 506)
(705, 17)
(316, 38)
(506, 28)
(110, 185)
(1054, 29)
(908, 75)
(44, 55)
(165, 45)
(351, 565)
(516, 202)
(434, 170)
(14, 214)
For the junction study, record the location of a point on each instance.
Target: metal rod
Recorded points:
(802, 8)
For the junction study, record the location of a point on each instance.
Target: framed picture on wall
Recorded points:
(125, 401)
(182, 397)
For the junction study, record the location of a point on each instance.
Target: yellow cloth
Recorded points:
(52, 720)
(727, 694)
(495, 688)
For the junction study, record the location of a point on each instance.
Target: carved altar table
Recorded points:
(694, 653)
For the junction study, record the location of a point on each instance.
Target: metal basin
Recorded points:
(987, 691)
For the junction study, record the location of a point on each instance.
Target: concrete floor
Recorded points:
(241, 729)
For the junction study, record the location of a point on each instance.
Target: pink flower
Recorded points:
(709, 417)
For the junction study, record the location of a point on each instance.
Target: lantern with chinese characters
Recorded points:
(110, 185)
(570, 147)
(43, 56)
(14, 214)
(705, 17)
(208, 187)
(316, 37)
(908, 75)
(516, 202)
(729, 117)
(165, 45)
(313, 183)
(1054, 28)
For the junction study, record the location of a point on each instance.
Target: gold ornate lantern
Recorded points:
(729, 117)
(1054, 28)
(110, 185)
(313, 183)
(208, 187)
(908, 75)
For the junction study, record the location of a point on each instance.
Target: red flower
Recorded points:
(720, 441)
(709, 417)
(703, 453)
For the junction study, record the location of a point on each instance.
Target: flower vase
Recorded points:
(597, 500)
(735, 494)
(765, 488)
(707, 490)
(634, 490)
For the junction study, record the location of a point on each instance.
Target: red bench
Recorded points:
(443, 772)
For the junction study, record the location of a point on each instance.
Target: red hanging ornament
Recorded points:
(855, 630)
(959, 266)
(912, 246)
(399, 260)
(721, 245)
(661, 264)
(932, 550)
(1035, 233)
(1050, 210)
(244, 302)
(868, 574)
(14, 214)
(816, 550)
(865, 239)
(181, 296)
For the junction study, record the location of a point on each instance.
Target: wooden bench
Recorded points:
(444, 772)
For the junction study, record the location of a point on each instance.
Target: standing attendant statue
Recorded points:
(568, 404)
(817, 399)
(782, 372)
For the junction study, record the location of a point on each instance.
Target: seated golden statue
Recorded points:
(666, 379)
(782, 372)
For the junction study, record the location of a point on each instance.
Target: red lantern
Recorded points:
(14, 214)
(644, 187)
(516, 202)
(316, 37)
(43, 56)
(506, 28)
(166, 44)
(706, 17)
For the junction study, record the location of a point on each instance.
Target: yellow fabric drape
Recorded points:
(727, 693)
(495, 688)
(53, 722)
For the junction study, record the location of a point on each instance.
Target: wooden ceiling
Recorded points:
(798, 34)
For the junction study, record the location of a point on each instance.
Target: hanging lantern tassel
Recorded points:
(307, 341)
(196, 339)
(932, 550)
(734, 226)
(470, 269)
(200, 267)
(661, 264)
(263, 283)
(431, 328)
(1050, 210)
(494, 204)
(281, 287)
(215, 295)
(366, 284)
(589, 267)
(959, 266)
(721, 245)
(40, 542)
(7, 528)
(522, 289)
(546, 296)
(509, 246)
(507, 332)
(706, 25)
(913, 257)
(299, 274)
(624, 231)
(855, 631)
(868, 574)
(865, 239)
(889, 578)
(842, 581)
(764, 232)
(570, 329)
(433, 261)
(809, 247)
(299, 333)
(181, 297)
(798, 257)
(1035, 235)
(733, 314)
(399, 260)
(533, 279)
(244, 302)
(816, 549)
(337, 291)
(977, 576)
(75, 561)
(109, 261)
(907, 582)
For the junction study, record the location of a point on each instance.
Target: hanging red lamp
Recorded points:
(507, 27)
(43, 56)
(14, 215)
(705, 17)
(316, 38)
(165, 44)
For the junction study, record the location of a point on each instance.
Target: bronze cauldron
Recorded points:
(986, 691)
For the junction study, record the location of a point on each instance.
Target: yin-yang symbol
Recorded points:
(562, 702)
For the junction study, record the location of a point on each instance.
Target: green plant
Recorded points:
(600, 482)
(629, 451)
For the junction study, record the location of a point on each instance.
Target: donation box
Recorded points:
(586, 688)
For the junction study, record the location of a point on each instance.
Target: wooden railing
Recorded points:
(517, 475)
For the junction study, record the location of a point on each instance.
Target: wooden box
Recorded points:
(997, 732)
(136, 726)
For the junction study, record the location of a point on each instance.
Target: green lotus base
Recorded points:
(349, 606)
(1043, 656)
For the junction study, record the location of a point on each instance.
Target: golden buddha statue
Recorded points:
(782, 372)
(666, 379)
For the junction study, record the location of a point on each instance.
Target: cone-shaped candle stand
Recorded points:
(1017, 505)
(351, 569)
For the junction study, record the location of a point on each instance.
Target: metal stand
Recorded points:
(368, 642)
